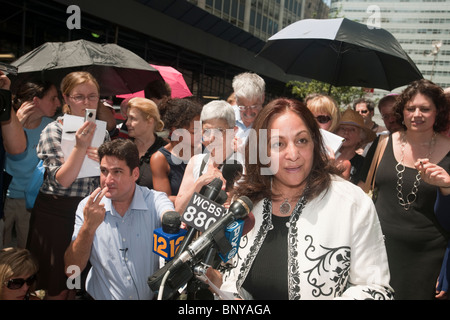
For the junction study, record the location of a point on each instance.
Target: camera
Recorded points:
(90, 115)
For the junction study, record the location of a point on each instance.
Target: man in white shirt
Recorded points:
(249, 90)
(114, 228)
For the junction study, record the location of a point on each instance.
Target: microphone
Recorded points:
(239, 209)
(182, 273)
(167, 239)
(176, 273)
(234, 233)
(212, 189)
(231, 172)
(221, 198)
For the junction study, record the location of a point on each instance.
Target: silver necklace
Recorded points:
(285, 207)
(400, 168)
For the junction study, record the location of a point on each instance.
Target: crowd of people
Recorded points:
(317, 233)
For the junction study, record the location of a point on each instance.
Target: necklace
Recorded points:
(400, 168)
(285, 207)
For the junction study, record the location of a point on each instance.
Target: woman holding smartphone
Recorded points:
(53, 215)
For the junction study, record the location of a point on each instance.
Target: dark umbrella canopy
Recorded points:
(117, 69)
(341, 52)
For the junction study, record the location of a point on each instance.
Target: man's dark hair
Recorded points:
(369, 103)
(122, 149)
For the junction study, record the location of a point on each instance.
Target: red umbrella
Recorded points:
(173, 77)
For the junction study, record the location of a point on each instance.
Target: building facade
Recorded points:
(209, 41)
(263, 18)
(422, 27)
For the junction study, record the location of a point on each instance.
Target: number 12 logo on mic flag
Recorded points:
(166, 244)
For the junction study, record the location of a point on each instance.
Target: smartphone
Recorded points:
(90, 115)
(5, 67)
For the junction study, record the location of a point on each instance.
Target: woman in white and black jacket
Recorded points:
(316, 235)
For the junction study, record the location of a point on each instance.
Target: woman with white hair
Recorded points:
(351, 127)
(218, 134)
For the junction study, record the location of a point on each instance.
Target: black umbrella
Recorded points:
(117, 70)
(341, 52)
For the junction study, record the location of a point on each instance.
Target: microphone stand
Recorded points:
(200, 273)
(197, 288)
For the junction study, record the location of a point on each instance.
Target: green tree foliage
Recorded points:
(343, 95)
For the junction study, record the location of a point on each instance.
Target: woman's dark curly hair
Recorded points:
(256, 185)
(178, 113)
(431, 90)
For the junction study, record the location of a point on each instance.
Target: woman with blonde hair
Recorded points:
(18, 270)
(53, 216)
(143, 122)
(328, 116)
(325, 111)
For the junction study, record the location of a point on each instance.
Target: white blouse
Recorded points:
(336, 248)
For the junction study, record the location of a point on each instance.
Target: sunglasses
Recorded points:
(18, 283)
(323, 119)
(363, 111)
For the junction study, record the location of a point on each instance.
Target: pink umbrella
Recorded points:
(173, 77)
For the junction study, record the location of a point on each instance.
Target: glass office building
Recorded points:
(421, 26)
(263, 18)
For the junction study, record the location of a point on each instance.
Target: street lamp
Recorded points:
(436, 48)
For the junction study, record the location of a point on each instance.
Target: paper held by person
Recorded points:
(90, 168)
(331, 140)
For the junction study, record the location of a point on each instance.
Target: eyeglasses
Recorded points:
(15, 284)
(81, 98)
(252, 108)
(323, 119)
(213, 132)
(363, 111)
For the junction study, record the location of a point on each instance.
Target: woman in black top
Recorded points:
(143, 121)
(182, 118)
(415, 241)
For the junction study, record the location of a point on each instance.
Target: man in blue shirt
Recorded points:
(114, 228)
